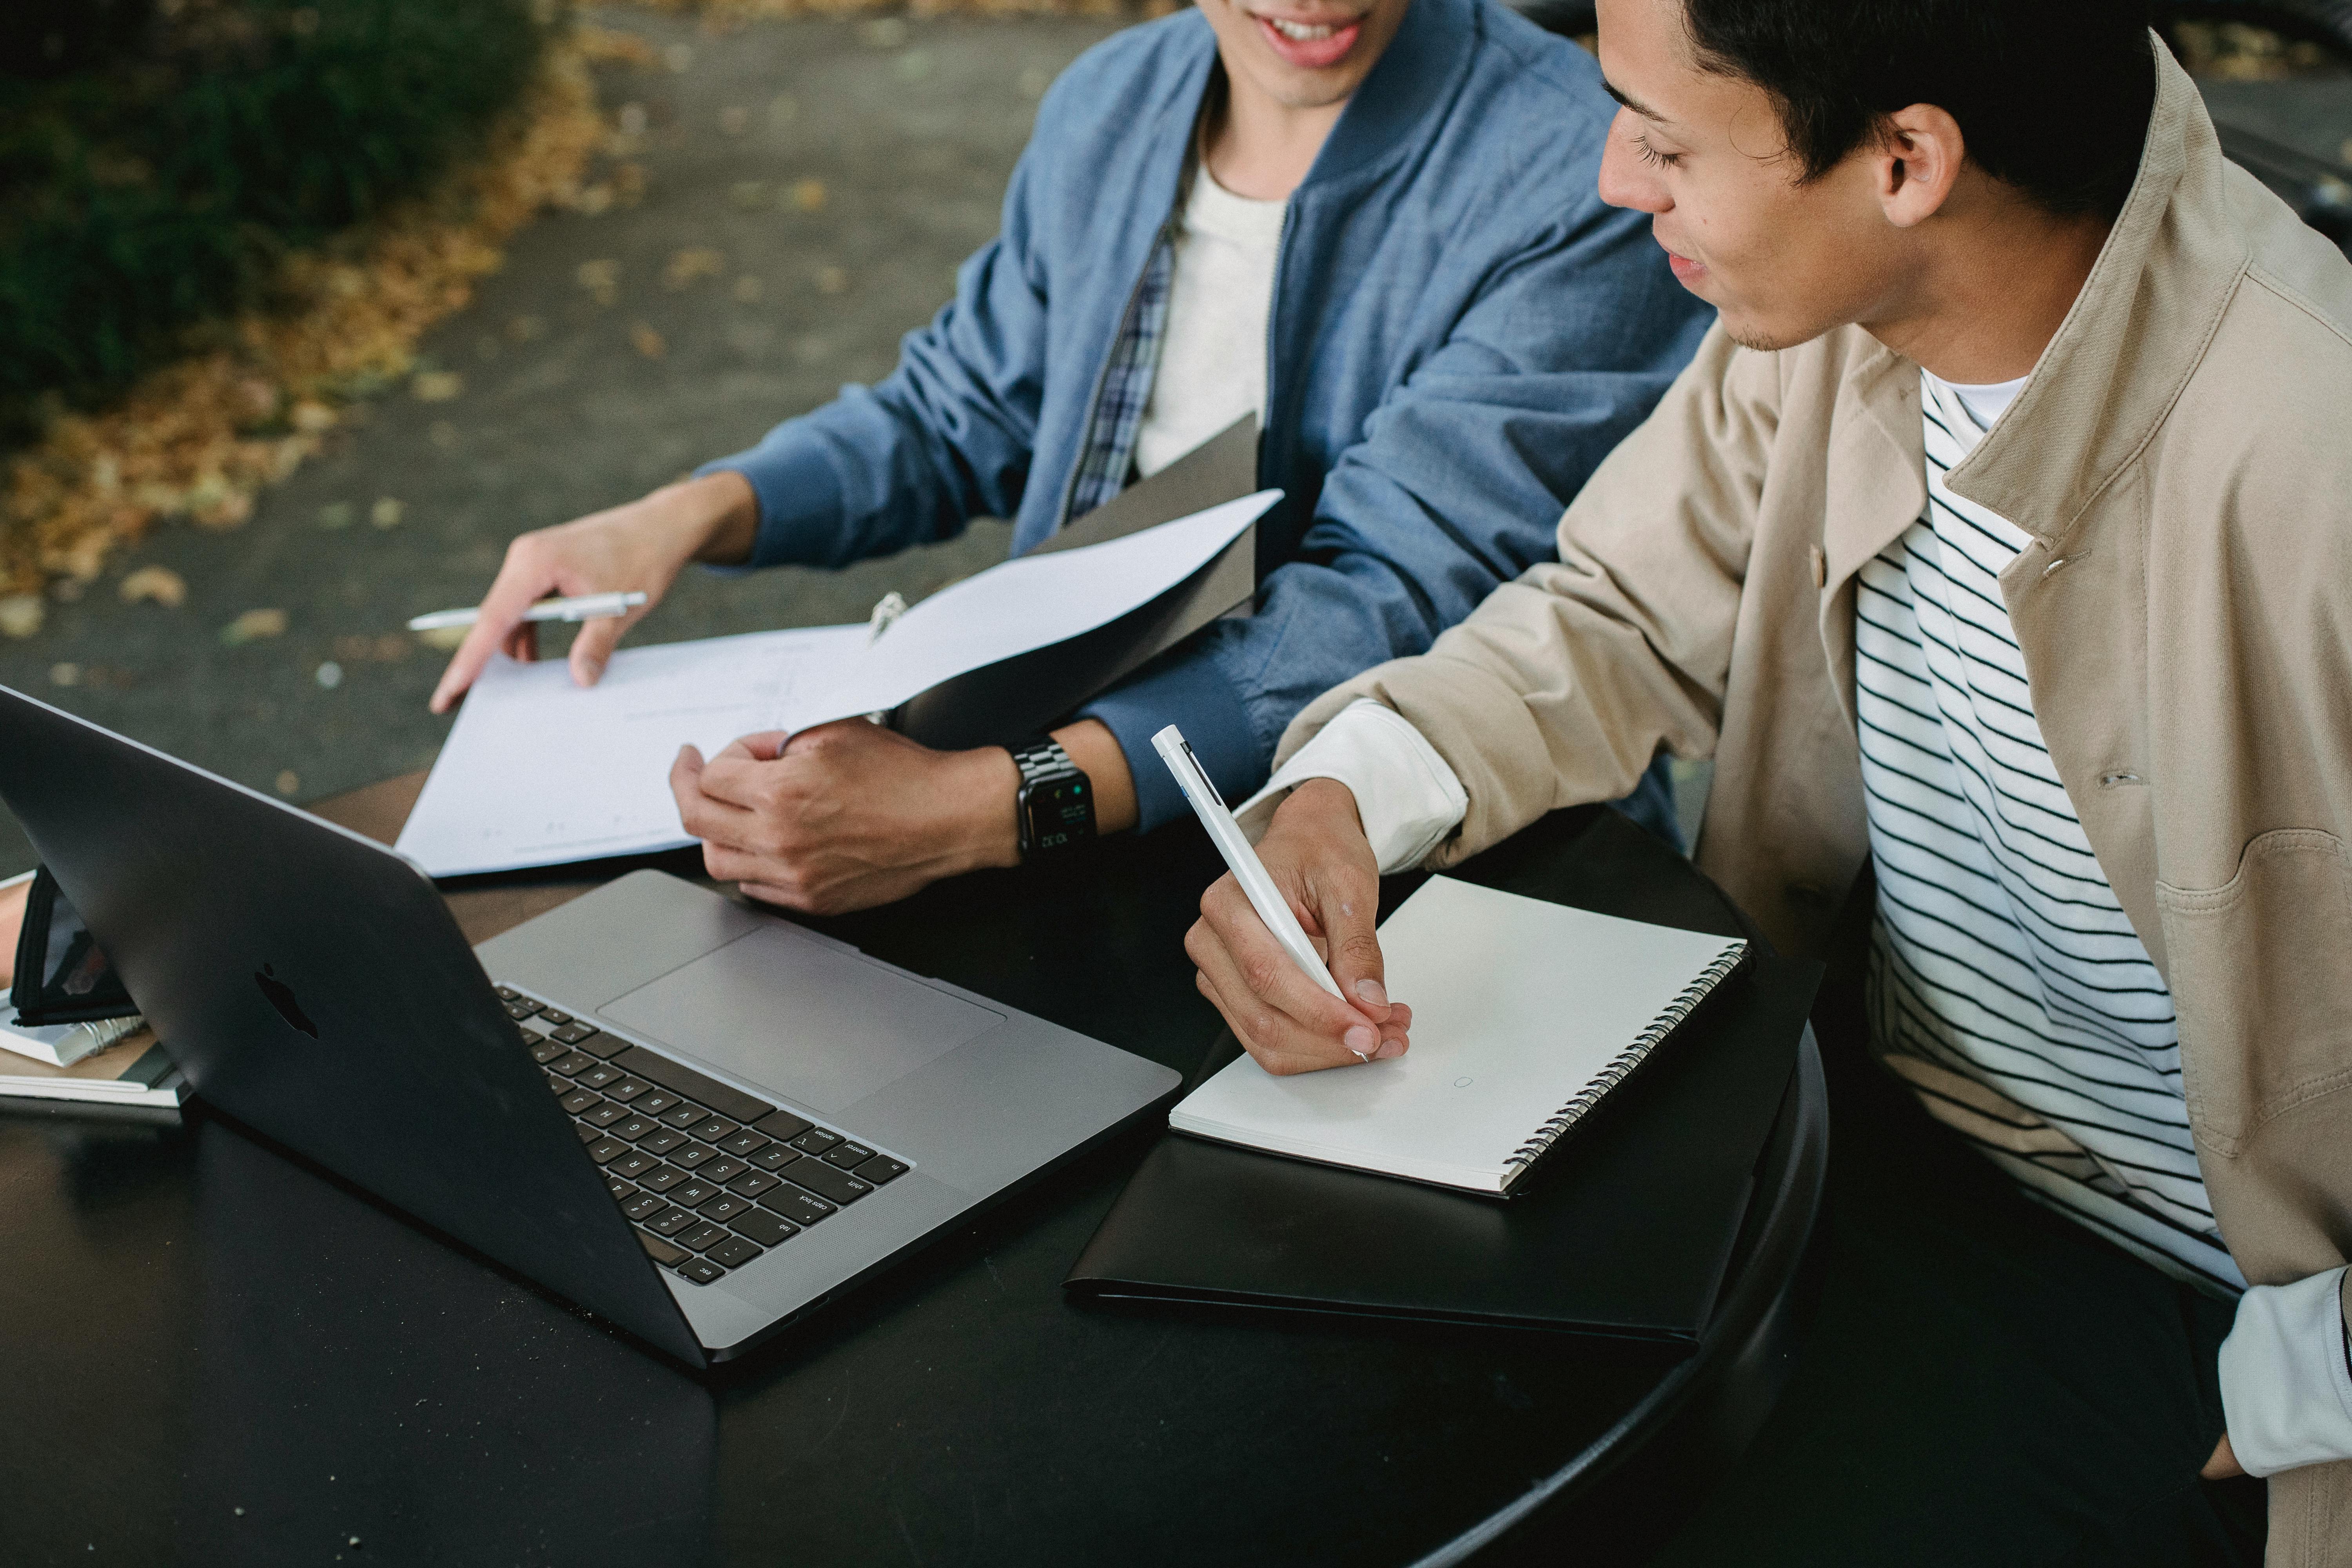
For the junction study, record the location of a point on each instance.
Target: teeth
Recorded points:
(1301, 31)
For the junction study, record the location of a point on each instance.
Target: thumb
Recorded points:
(1349, 916)
(593, 649)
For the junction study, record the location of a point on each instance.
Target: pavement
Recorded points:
(810, 188)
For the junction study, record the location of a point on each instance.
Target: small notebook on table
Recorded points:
(1524, 1014)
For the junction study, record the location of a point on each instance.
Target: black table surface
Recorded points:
(213, 1352)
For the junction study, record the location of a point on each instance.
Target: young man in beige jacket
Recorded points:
(1999, 540)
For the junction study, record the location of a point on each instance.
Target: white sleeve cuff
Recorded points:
(2286, 1390)
(1408, 797)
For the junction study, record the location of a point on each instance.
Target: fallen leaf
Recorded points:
(328, 676)
(436, 385)
(913, 66)
(335, 515)
(808, 194)
(312, 417)
(526, 329)
(253, 626)
(680, 58)
(385, 514)
(443, 435)
(63, 674)
(647, 342)
(159, 584)
(747, 289)
(289, 781)
(831, 280)
(734, 120)
(885, 32)
(21, 615)
(686, 266)
(602, 280)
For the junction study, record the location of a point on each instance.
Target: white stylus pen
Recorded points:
(586, 607)
(1247, 868)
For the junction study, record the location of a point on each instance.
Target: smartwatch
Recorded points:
(1057, 804)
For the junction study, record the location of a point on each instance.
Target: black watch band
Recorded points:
(1055, 807)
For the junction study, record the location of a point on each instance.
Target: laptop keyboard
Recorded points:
(711, 1177)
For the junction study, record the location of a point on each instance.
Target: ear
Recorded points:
(1917, 162)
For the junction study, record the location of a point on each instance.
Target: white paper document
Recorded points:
(538, 771)
(1523, 1011)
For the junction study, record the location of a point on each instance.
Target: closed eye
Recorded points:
(1652, 155)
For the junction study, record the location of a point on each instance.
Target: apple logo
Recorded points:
(281, 996)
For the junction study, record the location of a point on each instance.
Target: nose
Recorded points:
(1626, 181)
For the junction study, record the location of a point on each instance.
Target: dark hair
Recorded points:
(2052, 95)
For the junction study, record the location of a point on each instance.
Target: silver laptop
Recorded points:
(696, 1120)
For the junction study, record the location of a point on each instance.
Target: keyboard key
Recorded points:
(571, 1062)
(773, 1155)
(661, 1142)
(799, 1207)
(751, 1183)
(629, 1129)
(603, 1047)
(662, 1251)
(580, 1099)
(574, 1032)
(847, 1156)
(620, 1188)
(518, 1011)
(599, 1074)
(645, 1205)
(822, 1179)
(602, 1115)
(684, 1117)
(653, 1101)
(701, 1271)
(734, 1252)
(627, 1092)
(633, 1164)
(587, 1135)
(881, 1168)
(711, 1130)
(558, 1086)
(723, 1208)
(816, 1141)
(509, 993)
(693, 1155)
(783, 1126)
(669, 1221)
(547, 1051)
(693, 1085)
(743, 1142)
(661, 1180)
(721, 1171)
(765, 1229)
(694, 1195)
(702, 1236)
(554, 1019)
(605, 1149)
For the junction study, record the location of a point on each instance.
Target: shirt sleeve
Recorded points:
(1455, 487)
(2286, 1377)
(1408, 798)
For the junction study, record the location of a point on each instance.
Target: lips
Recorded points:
(1685, 270)
(1325, 44)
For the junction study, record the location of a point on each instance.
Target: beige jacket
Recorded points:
(2182, 459)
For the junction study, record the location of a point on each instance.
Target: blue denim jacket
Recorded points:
(1461, 329)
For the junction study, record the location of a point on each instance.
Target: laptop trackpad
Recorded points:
(814, 1025)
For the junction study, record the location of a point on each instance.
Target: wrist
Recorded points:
(1325, 804)
(989, 834)
(716, 516)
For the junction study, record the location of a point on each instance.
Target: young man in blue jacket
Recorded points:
(1370, 222)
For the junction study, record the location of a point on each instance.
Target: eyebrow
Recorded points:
(1636, 105)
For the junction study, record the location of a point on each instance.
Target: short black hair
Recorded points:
(2052, 96)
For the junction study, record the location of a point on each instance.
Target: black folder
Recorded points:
(1624, 1228)
(1006, 702)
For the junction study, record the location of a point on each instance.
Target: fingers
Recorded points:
(1346, 906)
(1288, 1022)
(592, 650)
(527, 573)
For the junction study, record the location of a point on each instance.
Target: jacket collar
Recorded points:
(2135, 332)
(1415, 78)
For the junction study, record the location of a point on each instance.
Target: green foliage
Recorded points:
(158, 156)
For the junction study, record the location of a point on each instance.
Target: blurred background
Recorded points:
(305, 310)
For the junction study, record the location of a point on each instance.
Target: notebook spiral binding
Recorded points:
(1631, 1057)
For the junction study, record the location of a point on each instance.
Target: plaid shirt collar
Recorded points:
(1108, 455)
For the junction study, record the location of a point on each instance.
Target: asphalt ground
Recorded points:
(832, 174)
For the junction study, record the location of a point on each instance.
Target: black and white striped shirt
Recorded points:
(2007, 986)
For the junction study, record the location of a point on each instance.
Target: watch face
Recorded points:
(1061, 814)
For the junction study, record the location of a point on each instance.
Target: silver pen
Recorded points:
(586, 607)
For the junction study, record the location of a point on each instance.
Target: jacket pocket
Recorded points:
(2261, 981)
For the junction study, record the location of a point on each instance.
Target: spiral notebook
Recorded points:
(1526, 1013)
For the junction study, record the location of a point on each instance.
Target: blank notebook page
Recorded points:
(1523, 1013)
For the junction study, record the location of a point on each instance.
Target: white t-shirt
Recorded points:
(1212, 349)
